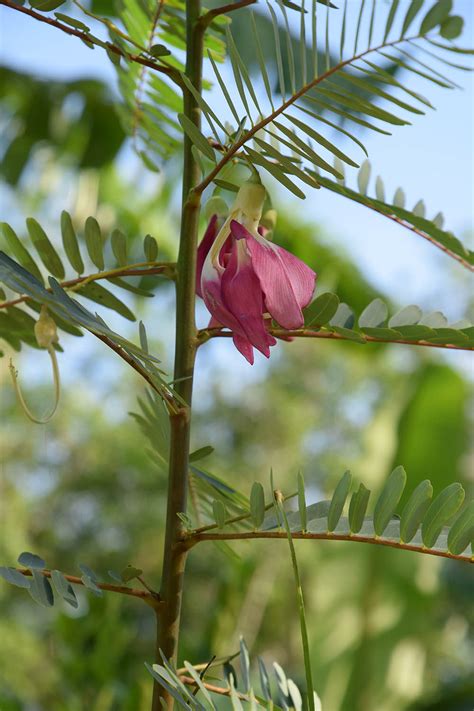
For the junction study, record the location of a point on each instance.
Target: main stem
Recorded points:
(185, 351)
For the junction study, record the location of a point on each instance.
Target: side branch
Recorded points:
(206, 19)
(192, 539)
(167, 269)
(88, 38)
(208, 333)
(148, 596)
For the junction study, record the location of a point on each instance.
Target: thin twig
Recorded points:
(190, 540)
(212, 687)
(173, 73)
(206, 19)
(141, 80)
(207, 333)
(151, 597)
(165, 268)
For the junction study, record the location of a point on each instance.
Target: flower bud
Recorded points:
(216, 206)
(45, 329)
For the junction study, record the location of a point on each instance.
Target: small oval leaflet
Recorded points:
(94, 242)
(302, 502)
(338, 500)
(257, 504)
(150, 247)
(14, 577)
(130, 573)
(415, 509)
(438, 13)
(19, 251)
(45, 249)
(70, 243)
(461, 533)
(245, 665)
(451, 27)
(444, 506)
(31, 560)
(388, 499)
(358, 507)
(321, 310)
(219, 512)
(363, 177)
(374, 315)
(119, 247)
(408, 316)
(379, 189)
(41, 590)
(64, 588)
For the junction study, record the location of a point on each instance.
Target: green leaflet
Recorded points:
(443, 508)
(390, 18)
(412, 12)
(100, 295)
(70, 243)
(358, 507)
(451, 27)
(388, 499)
(338, 500)
(257, 504)
(129, 573)
(14, 577)
(46, 5)
(438, 13)
(31, 560)
(408, 316)
(64, 588)
(40, 589)
(302, 502)
(150, 248)
(72, 22)
(94, 242)
(363, 177)
(321, 310)
(462, 531)
(414, 511)
(219, 512)
(196, 137)
(322, 141)
(374, 315)
(18, 250)
(45, 249)
(119, 247)
(343, 318)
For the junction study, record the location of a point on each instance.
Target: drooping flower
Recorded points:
(246, 280)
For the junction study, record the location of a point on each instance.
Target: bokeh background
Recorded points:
(389, 630)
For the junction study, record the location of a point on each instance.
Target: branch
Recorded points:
(149, 268)
(190, 540)
(174, 407)
(150, 597)
(281, 109)
(88, 38)
(206, 334)
(206, 19)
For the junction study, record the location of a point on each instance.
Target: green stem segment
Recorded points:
(185, 351)
(301, 610)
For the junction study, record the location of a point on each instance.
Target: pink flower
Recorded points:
(246, 280)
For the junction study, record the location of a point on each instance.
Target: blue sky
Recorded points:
(432, 159)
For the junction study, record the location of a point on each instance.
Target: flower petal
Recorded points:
(203, 250)
(286, 281)
(243, 296)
